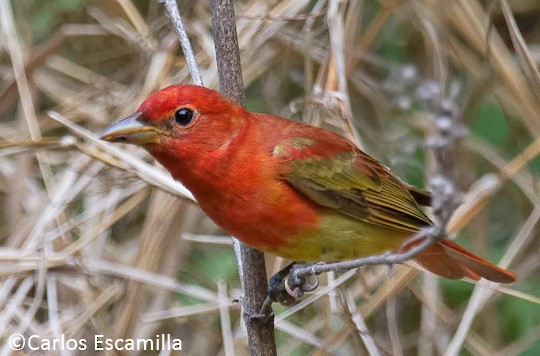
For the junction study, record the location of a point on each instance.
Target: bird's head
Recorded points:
(179, 118)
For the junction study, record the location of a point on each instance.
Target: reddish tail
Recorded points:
(450, 260)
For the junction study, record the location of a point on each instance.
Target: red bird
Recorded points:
(283, 187)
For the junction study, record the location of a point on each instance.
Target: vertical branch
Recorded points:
(251, 264)
(231, 83)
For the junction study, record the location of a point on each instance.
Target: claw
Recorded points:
(297, 287)
(286, 286)
(311, 283)
(295, 292)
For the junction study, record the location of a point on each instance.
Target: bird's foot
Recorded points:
(286, 286)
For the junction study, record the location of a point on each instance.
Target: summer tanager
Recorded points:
(283, 187)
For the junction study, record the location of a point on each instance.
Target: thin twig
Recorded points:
(361, 326)
(225, 318)
(174, 13)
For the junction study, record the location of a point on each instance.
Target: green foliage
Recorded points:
(490, 124)
(46, 15)
(208, 266)
(253, 98)
(214, 264)
(414, 172)
(519, 317)
(455, 293)
(390, 49)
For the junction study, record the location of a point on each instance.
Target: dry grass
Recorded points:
(97, 239)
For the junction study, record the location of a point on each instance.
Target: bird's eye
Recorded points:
(183, 116)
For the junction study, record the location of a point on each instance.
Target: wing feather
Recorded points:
(349, 181)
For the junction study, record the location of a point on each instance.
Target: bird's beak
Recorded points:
(132, 130)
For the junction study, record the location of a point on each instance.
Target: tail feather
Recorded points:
(450, 260)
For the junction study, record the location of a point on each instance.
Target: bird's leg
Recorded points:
(286, 286)
(277, 291)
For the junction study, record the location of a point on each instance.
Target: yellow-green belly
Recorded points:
(339, 237)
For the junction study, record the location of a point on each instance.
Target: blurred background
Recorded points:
(100, 240)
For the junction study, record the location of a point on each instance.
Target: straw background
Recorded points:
(99, 239)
